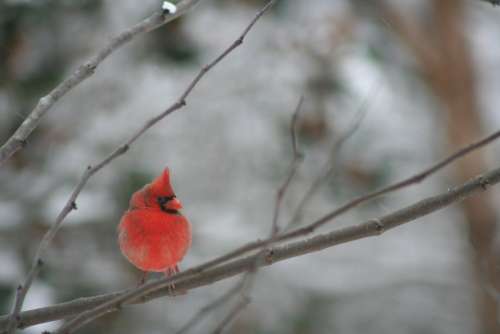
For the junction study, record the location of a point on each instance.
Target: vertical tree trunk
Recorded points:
(456, 86)
(444, 57)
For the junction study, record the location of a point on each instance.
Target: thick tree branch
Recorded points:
(89, 316)
(249, 278)
(19, 139)
(417, 178)
(154, 286)
(91, 170)
(352, 233)
(338, 236)
(148, 288)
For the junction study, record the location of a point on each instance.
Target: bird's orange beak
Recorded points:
(175, 204)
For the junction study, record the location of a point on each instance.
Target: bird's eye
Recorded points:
(165, 199)
(168, 8)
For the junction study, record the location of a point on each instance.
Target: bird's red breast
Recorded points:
(153, 234)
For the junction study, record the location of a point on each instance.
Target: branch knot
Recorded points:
(379, 227)
(484, 183)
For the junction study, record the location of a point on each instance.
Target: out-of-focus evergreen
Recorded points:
(231, 147)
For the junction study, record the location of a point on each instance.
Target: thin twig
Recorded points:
(249, 278)
(71, 203)
(244, 287)
(19, 139)
(89, 316)
(415, 179)
(244, 301)
(330, 166)
(297, 159)
(210, 307)
(148, 288)
(349, 205)
(160, 288)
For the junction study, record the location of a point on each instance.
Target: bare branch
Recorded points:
(244, 286)
(249, 278)
(297, 159)
(90, 171)
(338, 236)
(417, 178)
(329, 168)
(153, 286)
(82, 319)
(19, 139)
(210, 307)
(232, 315)
(346, 207)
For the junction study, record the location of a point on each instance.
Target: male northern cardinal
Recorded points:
(152, 233)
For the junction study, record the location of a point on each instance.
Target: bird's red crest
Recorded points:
(153, 234)
(161, 185)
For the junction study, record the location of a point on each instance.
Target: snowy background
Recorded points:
(228, 151)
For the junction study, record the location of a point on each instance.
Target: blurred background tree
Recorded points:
(423, 74)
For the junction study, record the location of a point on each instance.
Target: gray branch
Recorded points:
(19, 139)
(338, 236)
(70, 205)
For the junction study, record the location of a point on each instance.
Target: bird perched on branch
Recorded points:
(153, 234)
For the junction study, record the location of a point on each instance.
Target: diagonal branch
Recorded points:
(249, 278)
(417, 178)
(210, 307)
(91, 170)
(329, 169)
(348, 206)
(244, 301)
(244, 286)
(19, 139)
(297, 159)
(338, 236)
(154, 286)
(84, 318)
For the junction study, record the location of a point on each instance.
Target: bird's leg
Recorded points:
(169, 272)
(143, 279)
(171, 287)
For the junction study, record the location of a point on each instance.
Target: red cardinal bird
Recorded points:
(153, 234)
